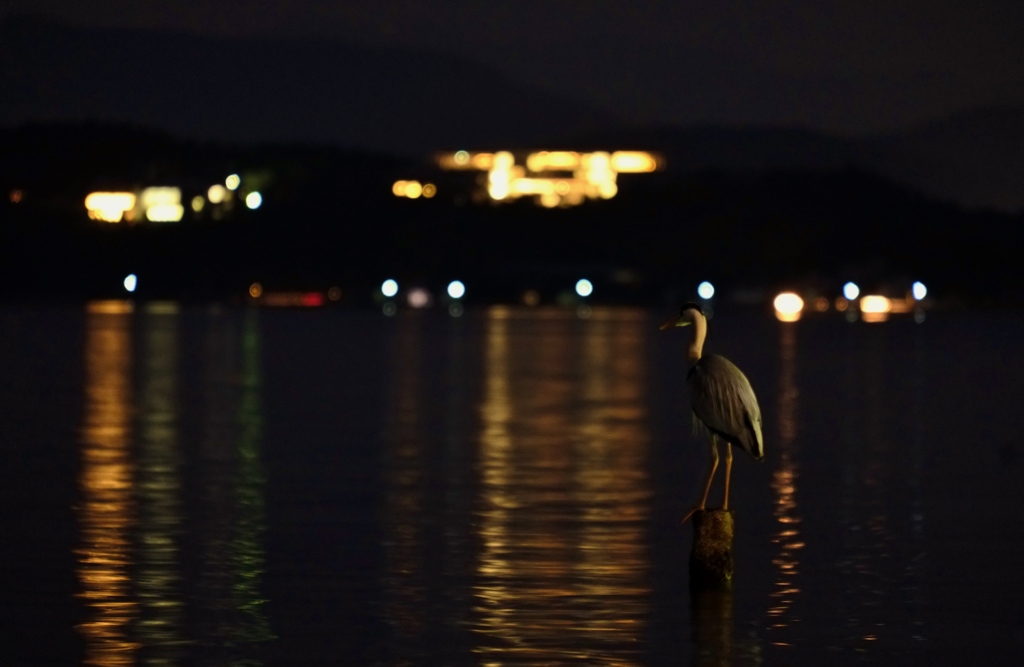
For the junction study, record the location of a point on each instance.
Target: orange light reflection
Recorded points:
(784, 487)
(563, 569)
(106, 515)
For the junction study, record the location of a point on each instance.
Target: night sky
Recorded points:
(853, 67)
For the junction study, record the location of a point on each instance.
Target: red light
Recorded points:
(312, 299)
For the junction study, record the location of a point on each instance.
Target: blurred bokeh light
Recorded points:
(788, 307)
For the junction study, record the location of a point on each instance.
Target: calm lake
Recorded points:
(218, 486)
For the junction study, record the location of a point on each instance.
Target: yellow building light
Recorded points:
(633, 162)
(532, 186)
(482, 161)
(109, 206)
(594, 175)
(216, 194)
(413, 189)
(500, 176)
(162, 204)
(598, 162)
(157, 196)
(553, 161)
(503, 160)
(165, 213)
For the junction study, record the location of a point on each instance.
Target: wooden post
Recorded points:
(711, 556)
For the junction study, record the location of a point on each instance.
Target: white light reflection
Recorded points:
(405, 503)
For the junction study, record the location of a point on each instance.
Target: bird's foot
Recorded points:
(699, 508)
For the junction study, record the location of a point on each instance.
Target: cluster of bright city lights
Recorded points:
(155, 204)
(161, 203)
(552, 178)
(789, 306)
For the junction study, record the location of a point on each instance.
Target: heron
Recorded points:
(722, 400)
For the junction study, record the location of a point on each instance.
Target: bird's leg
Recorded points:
(707, 485)
(728, 473)
(711, 473)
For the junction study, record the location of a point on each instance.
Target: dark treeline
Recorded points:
(329, 218)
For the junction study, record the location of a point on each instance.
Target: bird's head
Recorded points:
(688, 315)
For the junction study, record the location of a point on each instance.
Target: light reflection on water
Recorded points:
(883, 558)
(563, 572)
(106, 512)
(519, 475)
(130, 559)
(787, 537)
(403, 513)
(159, 492)
(232, 622)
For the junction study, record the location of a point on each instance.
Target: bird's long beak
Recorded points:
(675, 321)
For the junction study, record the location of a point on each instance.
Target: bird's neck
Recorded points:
(696, 347)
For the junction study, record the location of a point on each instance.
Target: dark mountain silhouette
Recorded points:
(714, 147)
(413, 102)
(974, 159)
(272, 90)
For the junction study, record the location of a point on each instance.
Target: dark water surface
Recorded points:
(242, 487)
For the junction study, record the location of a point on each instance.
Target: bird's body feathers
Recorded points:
(723, 400)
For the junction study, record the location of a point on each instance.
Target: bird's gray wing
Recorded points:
(722, 398)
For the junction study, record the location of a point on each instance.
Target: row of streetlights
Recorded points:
(457, 289)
